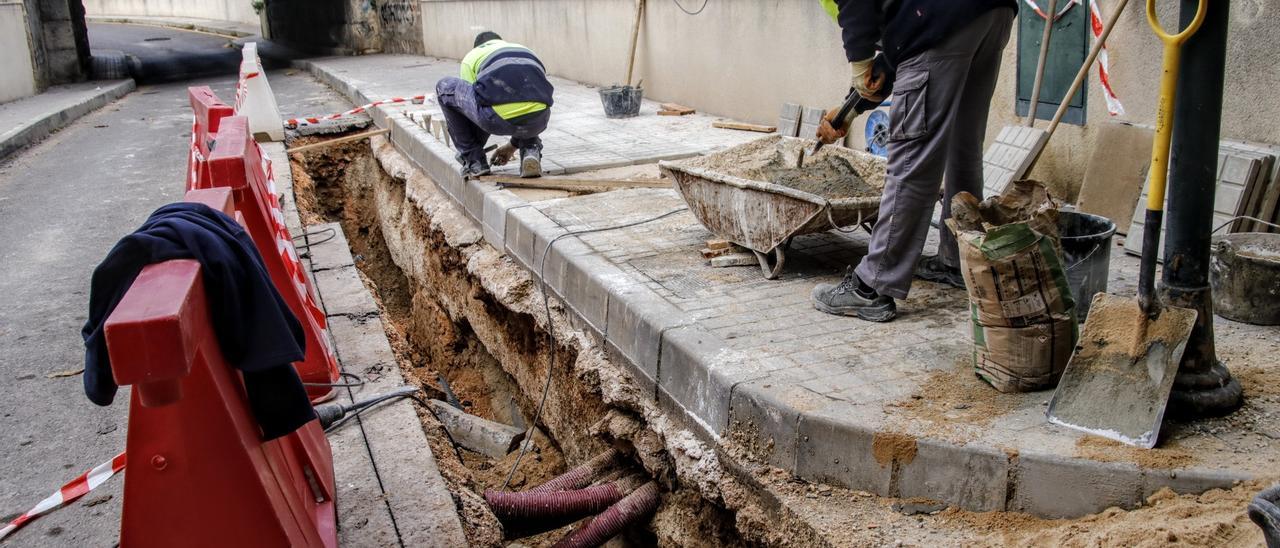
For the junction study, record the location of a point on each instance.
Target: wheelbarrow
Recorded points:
(730, 195)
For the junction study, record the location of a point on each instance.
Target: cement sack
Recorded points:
(1023, 359)
(1022, 310)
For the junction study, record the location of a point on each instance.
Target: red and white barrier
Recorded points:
(254, 98)
(207, 112)
(68, 494)
(299, 122)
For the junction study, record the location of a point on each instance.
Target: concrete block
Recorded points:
(970, 477)
(1058, 487)
(789, 119)
(528, 231)
(473, 198)
(342, 292)
(1192, 481)
(764, 416)
(839, 452)
(328, 252)
(810, 121)
(697, 372)
(637, 317)
(494, 218)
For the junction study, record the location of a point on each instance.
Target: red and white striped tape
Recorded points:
(69, 493)
(292, 265)
(242, 88)
(296, 122)
(1104, 66)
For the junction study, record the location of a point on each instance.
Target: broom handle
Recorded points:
(1044, 56)
(1088, 64)
(635, 39)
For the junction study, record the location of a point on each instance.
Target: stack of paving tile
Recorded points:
(1248, 185)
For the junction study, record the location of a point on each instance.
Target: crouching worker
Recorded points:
(503, 91)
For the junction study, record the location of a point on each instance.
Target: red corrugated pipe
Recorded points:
(627, 512)
(525, 512)
(581, 476)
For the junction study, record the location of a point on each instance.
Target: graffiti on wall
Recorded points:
(399, 14)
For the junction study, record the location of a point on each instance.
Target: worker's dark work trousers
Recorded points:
(937, 124)
(471, 124)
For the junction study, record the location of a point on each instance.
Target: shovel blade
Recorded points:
(1117, 382)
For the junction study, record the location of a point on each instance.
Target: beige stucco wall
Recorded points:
(223, 10)
(15, 53)
(744, 58)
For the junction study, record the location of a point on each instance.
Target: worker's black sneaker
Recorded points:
(530, 163)
(931, 269)
(473, 168)
(851, 297)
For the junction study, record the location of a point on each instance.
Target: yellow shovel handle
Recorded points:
(1168, 92)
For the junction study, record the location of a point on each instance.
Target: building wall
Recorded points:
(15, 53)
(63, 50)
(401, 23)
(225, 10)
(744, 58)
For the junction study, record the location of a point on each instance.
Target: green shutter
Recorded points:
(1068, 47)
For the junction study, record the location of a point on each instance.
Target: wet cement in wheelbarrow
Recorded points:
(828, 176)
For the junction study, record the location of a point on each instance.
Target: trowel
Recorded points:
(1117, 383)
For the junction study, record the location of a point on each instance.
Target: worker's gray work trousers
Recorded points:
(937, 124)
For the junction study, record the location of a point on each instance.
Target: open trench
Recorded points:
(459, 311)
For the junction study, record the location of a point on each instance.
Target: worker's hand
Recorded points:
(827, 131)
(866, 82)
(503, 155)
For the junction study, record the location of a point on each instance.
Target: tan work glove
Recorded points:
(502, 155)
(827, 131)
(865, 81)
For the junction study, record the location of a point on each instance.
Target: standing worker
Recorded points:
(944, 56)
(503, 91)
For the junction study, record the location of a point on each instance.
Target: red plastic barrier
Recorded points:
(198, 472)
(207, 114)
(237, 163)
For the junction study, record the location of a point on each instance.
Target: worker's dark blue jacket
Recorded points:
(903, 28)
(257, 332)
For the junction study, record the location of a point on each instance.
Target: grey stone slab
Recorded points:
(343, 293)
(363, 516)
(837, 452)
(972, 477)
(473, 198)
(327, 247)
(789, 119)
(1058, 487)
(583, 280)
(636, 320)
(810, 121)
(31, 119)
(697, 372)
(1189, 480)
(764, 415)
(415, 493)
(494, 217)
(528, 232)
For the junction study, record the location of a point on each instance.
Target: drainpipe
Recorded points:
(1203, 387)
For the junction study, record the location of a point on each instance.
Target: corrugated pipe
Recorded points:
(528, 512)
(627, 512)
(581, 476)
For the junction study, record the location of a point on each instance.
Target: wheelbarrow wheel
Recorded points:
(771, 272)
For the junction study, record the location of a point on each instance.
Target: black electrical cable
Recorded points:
(407, 392)
(682, 8)
(551, 336)
(332, 234)
(359, 381)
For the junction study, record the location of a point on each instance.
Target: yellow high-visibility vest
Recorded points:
(471, 68)
(832, 9)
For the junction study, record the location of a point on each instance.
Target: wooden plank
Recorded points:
(741, 126)
(338, 141)
(573, 185)
(675, 109)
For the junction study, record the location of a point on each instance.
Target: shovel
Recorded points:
(1117, 383)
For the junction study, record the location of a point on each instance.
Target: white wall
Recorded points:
(744, 58)
(15, 53)
(222, 10)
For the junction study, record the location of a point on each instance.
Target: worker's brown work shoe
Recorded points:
(931, 269)
(851, 297)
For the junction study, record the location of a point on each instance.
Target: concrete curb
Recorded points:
(38, 128)
(720, 393)
(175, 23)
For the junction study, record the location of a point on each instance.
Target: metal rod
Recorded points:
(1203, 386)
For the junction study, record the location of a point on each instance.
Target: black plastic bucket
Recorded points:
(621, 101)
(1086, 250)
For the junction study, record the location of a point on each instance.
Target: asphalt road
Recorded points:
(63, 203)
